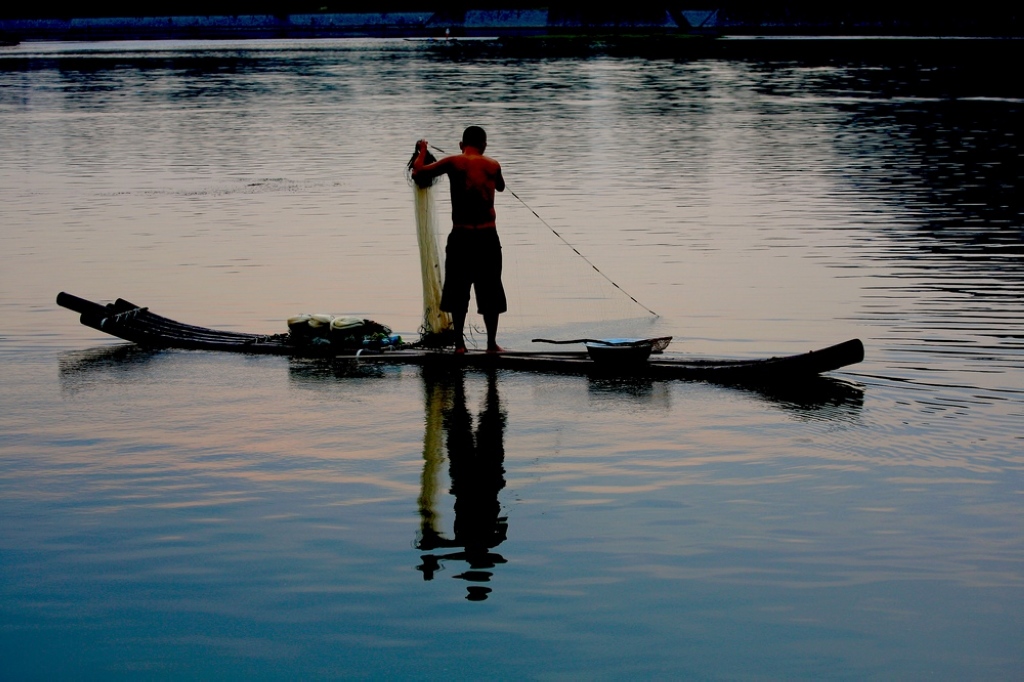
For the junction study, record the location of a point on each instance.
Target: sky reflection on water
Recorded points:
(174, 514)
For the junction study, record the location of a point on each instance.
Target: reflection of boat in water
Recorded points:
(468, 445)
(137, 324)
(820, 397)
(476, 460)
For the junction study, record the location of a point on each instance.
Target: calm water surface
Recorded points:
(177, 514)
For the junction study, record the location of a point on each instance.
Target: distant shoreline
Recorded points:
(471, 23)
(512, 23)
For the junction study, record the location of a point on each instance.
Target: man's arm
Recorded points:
(499, 181)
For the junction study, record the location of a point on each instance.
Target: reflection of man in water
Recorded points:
(476, 468)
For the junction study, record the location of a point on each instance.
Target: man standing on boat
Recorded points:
(473, 252)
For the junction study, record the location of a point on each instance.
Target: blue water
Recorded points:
(180, 514)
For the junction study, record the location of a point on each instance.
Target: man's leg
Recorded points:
(457, 284)
(491, 323)
(459, 322)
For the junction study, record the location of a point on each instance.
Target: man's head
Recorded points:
(474, 136)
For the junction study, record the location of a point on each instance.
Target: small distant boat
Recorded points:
(617, 357)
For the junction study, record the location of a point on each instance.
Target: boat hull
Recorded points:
(138, 325)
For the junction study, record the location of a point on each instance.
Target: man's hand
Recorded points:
(421, 159)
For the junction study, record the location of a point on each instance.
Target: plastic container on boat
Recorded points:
(620, 351)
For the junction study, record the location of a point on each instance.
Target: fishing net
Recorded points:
(437, 325)
(550, 284)
(346, 333)
(555, 291)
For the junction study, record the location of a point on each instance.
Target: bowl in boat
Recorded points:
(620, 351)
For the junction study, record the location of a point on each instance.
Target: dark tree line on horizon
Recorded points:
(781, 9)
(895, 14)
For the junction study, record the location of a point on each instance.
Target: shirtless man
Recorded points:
(473, 252)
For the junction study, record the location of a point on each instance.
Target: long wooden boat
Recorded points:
(138, 325)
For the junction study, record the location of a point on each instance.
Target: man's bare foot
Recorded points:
(495, 349)
(460, 350)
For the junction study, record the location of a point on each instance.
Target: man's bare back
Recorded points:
(473, 179)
